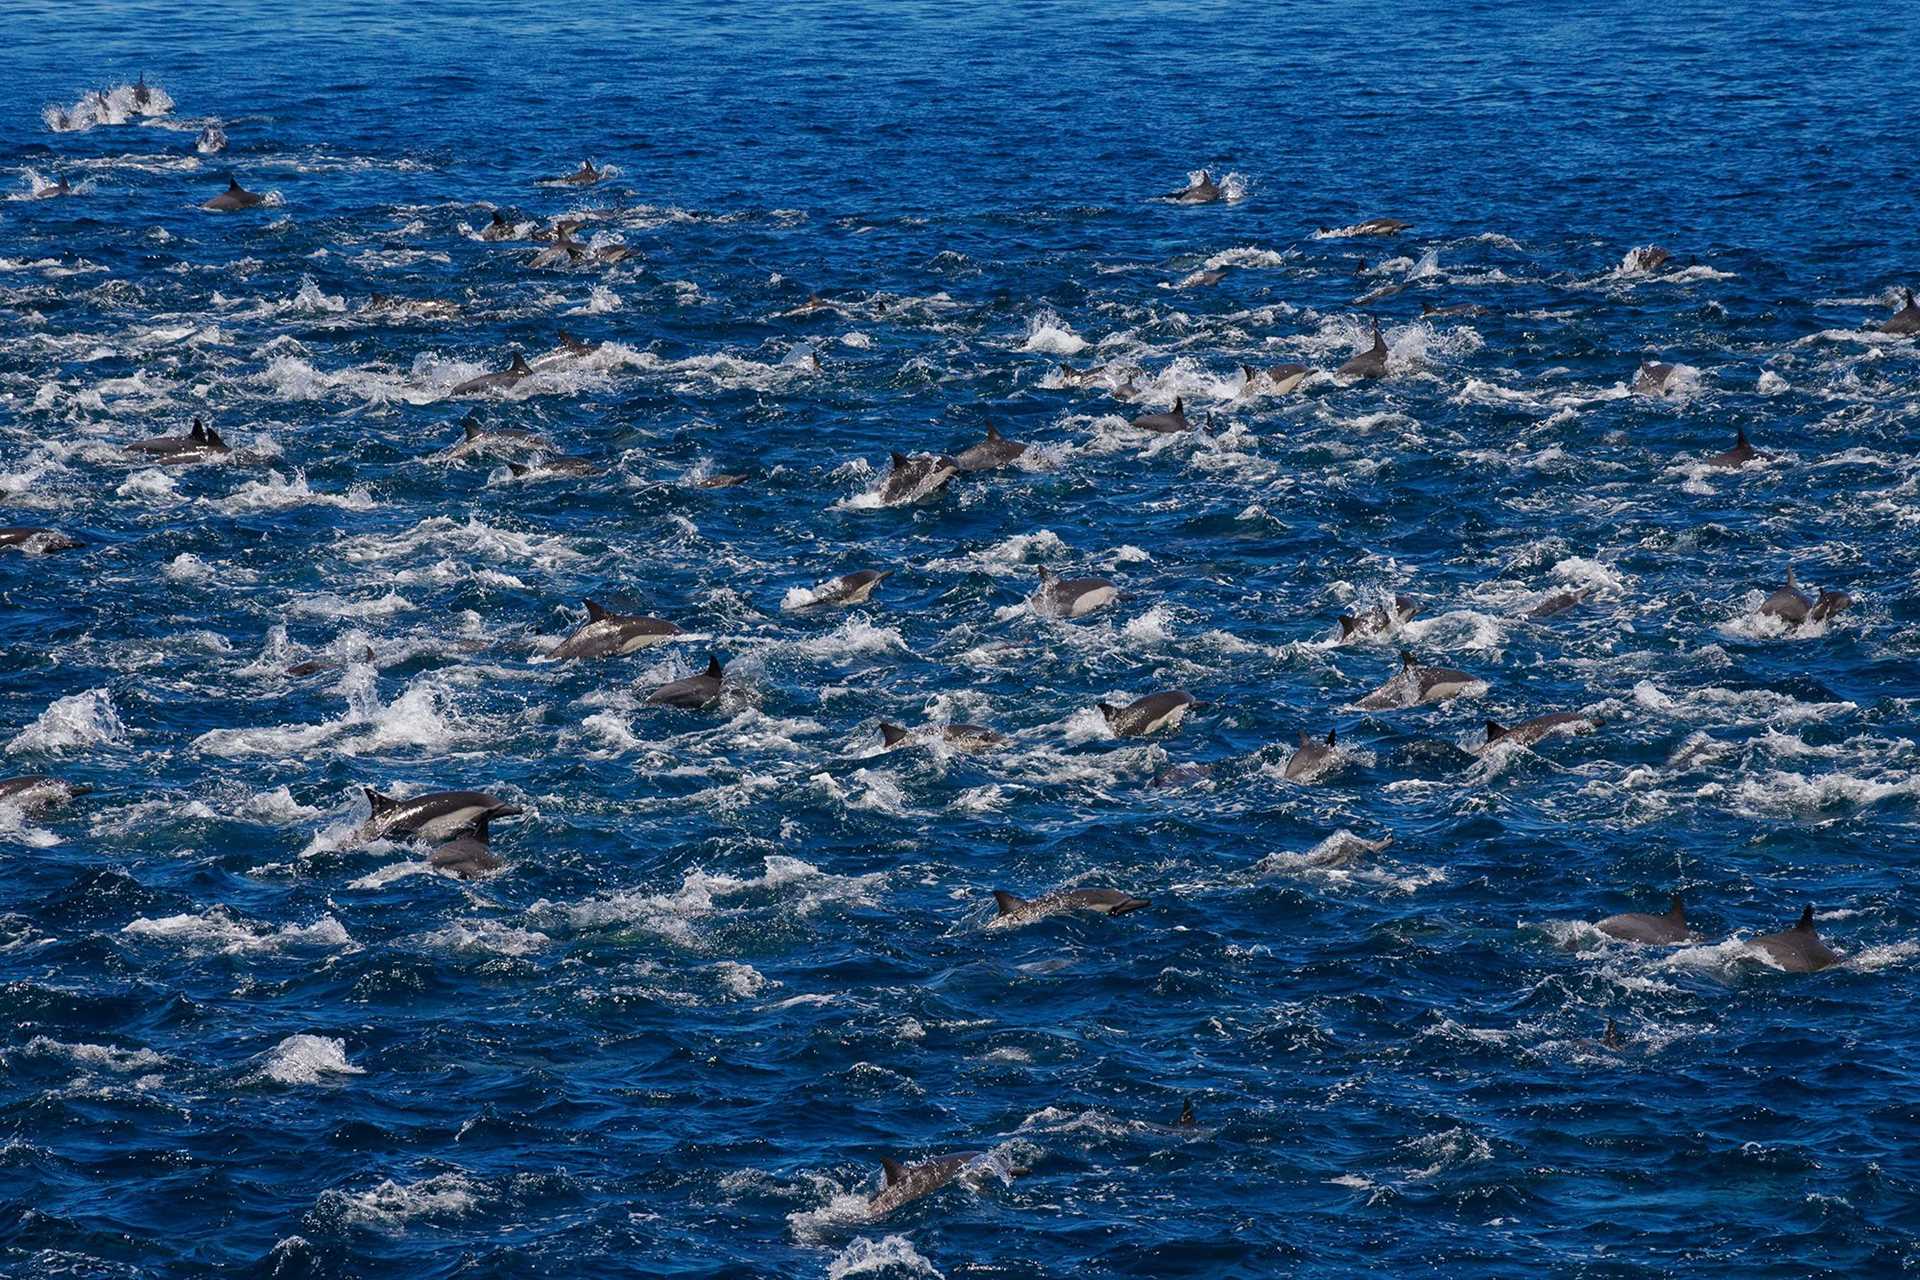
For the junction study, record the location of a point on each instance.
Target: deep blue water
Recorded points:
(736, 957)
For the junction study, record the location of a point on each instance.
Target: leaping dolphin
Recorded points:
(1173, 420)
(1647, 258)
(1793, 608)
(1797, 950)
(907, 1183)
(852, 588)
(1107, 902)
(475, 439)
(1200, 190)
(1070, 597)
(435, 815)
(1150, 714)
(607, 635)
(1279, 379)
(1378, 620)
(1528, 732)
(234, 198)
(499, 228)
(1642, 926)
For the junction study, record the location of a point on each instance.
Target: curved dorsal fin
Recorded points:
(518, 469)
(1006, 902)
(519, 365)
(377, 802)
(891, 734)
(1332, 736)
(894, 1170)
(199, 433)
(1108, 710)
(899, 459)
(1495, 732)
(1187, 1118)
(1678, 911)
(714, 669)
(470, 425)
(594, 611)
(1806, 921)
(1348, 624)
(212, 437)
(993, 432)
(233, 183)
(1179, 406)
(1740, 438)
(1407, 661)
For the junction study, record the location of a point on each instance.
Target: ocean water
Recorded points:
(736, 957)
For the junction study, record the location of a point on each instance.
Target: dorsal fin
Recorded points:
(517, 469)
(478, 827)
(1678, 911)
(1379, 343)
(1407, 661)
(1792, 583)
(993, 432)
(1348, 625)
(233, 183)
(1108, 710)
(714, 669)
(470, 425)
(377, 802)
(199, 433)
(499, 218)
(1046, 574)
(1179, 406)
(1303, 738)
(594, 611)
(1426, 308)
(1006, 902)
(1332, 736)
(1187, 1118)
(213, 438)
(894, 1170)
(1806, 921)
(1740, 438)
(1246, 372)
(891, 734)
(519, 365)
(899, 459)
(1495, 732)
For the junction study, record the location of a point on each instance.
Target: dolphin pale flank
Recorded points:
(33, 540)
(1174, 419)
(961, 737)
(1740, 455)
(1793, 608)
(1416, 684)
(609, 635)
(1201, 189)
(234, 198)
(1276, 380)
(1643, 926)
(915, 479)
(436, 815)
(503, 380)
(1797, 950)
(1378, 620)
(1904, 321)
(694, 692)
(1655, 378)
(852, 588)
(1070, 597)
(1528, 732)
(202, 444)
(467, 855)
(994, 452)
(1311, 760)
(35, 792)
(1150, 714)
(1371, 363)
(1106, 902)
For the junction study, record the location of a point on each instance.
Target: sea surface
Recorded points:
(735, 957)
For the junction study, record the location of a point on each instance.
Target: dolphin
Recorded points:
(1559, 603)
(852, 588)
(721, 480)
(571, 348)
(1341, 849)
(1280, 378)
(1311, 760)
(1187, 1119)
(1649, 258)
(234, 198)
(692, 693)
(585, 176)
(1200, 190)
(202, 444)
(1070, 597)
(1150, 714)
(1793, 608)
(1797, 950)
(994, 452)
(54, 190)
(33, 540)
(1644, 926)
(1106, 902)
(1416, 684)
(314, 666)
(381, 304)
(1461, 309)
(1528, 732)
(503, 380)
(915, 479)
(1905, 320)
(498, 229)
(961, 737)
(1655, 378)
(612, 635)
(1180, 775)
(212, 140)
(1174, 420)
(1371, 363)
(479, 439)
(1201, 279)
(141, 94)
(907, 1183)
(467, 855)
(1378, 620)
(1378, 227)
(435, 815)
(1740, 455)
(553, 468)
(37, 791)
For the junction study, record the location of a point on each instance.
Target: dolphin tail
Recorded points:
(1006, 902)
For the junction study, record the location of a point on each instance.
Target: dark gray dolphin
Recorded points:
(497, 229)
(1200, 190)
(34, 540)
(234, 198)
(1371, 363)
(1173, 420)
(1378, 620)
(54, 190)
(1644, 926)
(1559, 602)
(694, 692)
(433, 816)
(1187, 1119)
(585, 176)
(1793, 608)
(571, 347)
(994, 452)
(36, 791)
(1070, 597)
(503, 380)
(1416, 684)
(467, 855)
(1106, 902)
(1905, 320)
(202, 444)
(314, 666)
(1150, 714)
(852, 588)
(961, 737)
(1740, 455)
(476, 439)
(1528, 732)
(915, 479)
(1312, 759)
(1797, 950)
(608, 635)
(553, 468)
(1276, 380)
(721, 480)
(1654, 378)
(1648, 258)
